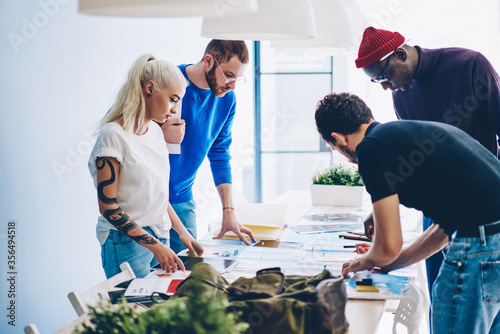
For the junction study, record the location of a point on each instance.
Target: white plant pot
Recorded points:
(322, 194)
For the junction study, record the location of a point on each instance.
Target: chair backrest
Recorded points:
(410, 309)
(100, 291)
(31, 329)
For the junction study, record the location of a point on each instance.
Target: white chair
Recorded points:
(410, 309)
(31, 329)
(100, 291)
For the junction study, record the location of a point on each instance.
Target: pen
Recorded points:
(353, 237)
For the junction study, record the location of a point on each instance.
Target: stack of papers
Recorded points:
(324, 223)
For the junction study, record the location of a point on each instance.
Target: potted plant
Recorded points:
(337, 185)
(178, 315)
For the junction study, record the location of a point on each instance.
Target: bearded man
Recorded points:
(207, 112)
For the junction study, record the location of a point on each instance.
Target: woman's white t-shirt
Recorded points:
(143, 176)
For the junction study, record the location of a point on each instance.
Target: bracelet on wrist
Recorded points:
(227, 208)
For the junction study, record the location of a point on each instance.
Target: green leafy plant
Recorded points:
(340, 175)
(178, 315)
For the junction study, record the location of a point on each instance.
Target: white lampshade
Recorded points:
(167, 8)
(274, 20)
(333, 29)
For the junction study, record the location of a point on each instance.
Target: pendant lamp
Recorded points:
(274, 20)
(333, 29)
(167, 8)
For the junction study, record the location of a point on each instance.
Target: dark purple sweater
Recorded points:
(455, 86)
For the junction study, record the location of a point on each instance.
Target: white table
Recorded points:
(363, 315)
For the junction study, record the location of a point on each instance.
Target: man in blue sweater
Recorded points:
(208, 109)
(451, 85)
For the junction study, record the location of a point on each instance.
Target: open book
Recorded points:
(265, 220)
(163, 283)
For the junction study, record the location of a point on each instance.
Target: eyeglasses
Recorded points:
(237, 80)
(382, 77)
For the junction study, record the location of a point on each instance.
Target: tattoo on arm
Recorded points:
(124, 224)
(100, 164)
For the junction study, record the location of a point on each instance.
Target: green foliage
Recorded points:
(178, 315)
(340, 175)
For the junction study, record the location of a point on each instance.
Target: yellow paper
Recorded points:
(266, 221)
(261, 232)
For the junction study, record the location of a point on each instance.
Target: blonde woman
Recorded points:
(130, 168)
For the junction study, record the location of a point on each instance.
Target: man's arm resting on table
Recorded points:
(427, 244)
(229, 221)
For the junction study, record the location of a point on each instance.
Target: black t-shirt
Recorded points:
(435, 168)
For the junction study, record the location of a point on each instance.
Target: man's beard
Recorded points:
(212, 81)
(351, 155)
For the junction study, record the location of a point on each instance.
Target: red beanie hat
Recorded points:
(376, 44)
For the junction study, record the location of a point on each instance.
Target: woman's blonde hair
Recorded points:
(130, 102)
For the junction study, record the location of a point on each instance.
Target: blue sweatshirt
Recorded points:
(455, 86)
(208, 133)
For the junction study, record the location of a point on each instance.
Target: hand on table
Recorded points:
(357, 264)
(229, 223)
(167, 258)
(173, 130)
(193, 246)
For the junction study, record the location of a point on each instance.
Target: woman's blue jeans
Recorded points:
(119, 248)
(466, 293)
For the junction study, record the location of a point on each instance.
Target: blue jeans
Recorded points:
(187, 214)
(119, 248)
(467, 289)
(433, 263)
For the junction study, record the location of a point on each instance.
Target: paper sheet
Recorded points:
(265, 220)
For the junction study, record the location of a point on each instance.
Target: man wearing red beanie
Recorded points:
(450, 85)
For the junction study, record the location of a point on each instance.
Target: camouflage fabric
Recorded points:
(270, 302)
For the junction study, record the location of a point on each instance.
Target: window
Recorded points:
(290, 84)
